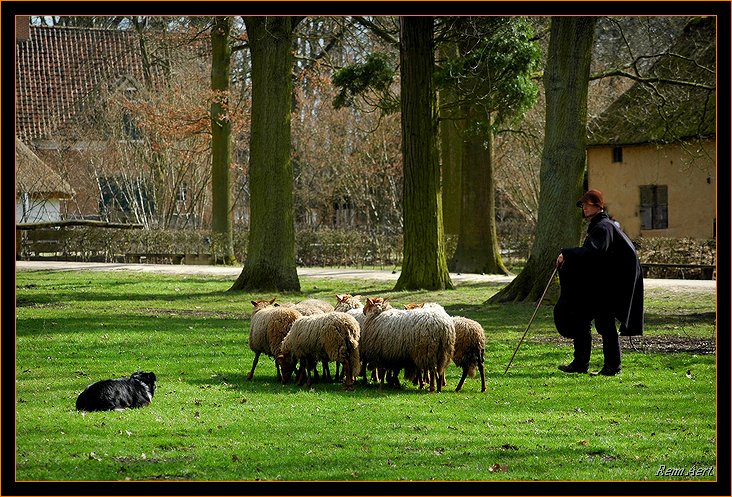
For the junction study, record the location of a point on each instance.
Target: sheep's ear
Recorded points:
(254, 303)
(272, 301)
(277, 305)
(340, 298)
(369, 301)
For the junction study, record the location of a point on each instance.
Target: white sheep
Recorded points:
(421, 340)
(308, 307)
(347, 303)
(352, 305)
(268, 326)
(469, 345)
(321, 337)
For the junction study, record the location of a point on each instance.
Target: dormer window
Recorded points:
(131, 132)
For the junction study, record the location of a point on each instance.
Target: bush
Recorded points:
(347, 247)
(676, 251)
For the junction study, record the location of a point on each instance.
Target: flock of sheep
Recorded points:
(421, 339)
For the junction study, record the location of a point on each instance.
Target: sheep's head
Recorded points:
(287, 366)
(376, 305)
(262, 304)
(409, 307)
(347, 302)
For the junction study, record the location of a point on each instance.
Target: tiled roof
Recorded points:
(670, 113)
(58, 69)
(33, 176)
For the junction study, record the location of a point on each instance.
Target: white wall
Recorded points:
(30, 210)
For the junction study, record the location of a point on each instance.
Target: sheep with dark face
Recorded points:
(421, 340)
(269, 324)
(469, 349)
(321, 337)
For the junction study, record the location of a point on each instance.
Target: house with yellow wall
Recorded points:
(652, 152)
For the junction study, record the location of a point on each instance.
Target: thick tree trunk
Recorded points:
(477, 249)
(270, 263)
(564, 155)
(425, 263)
(451, 150)
(221, 224)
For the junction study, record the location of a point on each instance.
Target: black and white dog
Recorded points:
(118, 394)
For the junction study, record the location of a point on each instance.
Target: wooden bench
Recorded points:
(708, 272)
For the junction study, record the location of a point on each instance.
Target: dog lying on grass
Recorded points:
(118, 394)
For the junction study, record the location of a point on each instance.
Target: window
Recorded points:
(120, 197)
(129, 125)
(654, 207)
(131, 131)
(617, 154)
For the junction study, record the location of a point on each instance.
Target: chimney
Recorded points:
(22, 28)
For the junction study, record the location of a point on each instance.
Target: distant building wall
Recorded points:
(688, 171)
(37, 210)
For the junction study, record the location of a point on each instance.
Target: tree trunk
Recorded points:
(425, 263)
(221, 224)
(477, 249)
(451, 150)
(270, 263)
(564, 156)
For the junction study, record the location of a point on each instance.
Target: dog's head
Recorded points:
(148, 379)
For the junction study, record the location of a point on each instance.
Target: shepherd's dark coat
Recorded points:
(602, 276)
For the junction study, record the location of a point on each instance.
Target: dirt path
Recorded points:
(343, 273)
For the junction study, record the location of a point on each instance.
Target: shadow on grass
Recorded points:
(266, 383)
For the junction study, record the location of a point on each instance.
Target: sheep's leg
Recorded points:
(301, 373)
(338, 371)
(422, 375)
(326, 372)
(482, 376)
(395, 379)
(375, 375)
(254, 365)
(462, 379)
(364, 373)
(314, 376)
(348, 375)
(433, 375)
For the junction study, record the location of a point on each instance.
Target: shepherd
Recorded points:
(600, 281)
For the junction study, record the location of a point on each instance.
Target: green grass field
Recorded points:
(207, 422)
